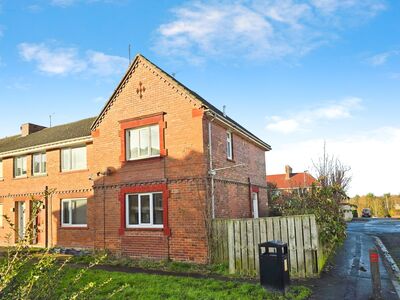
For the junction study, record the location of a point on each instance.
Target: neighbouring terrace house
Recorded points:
(141, 179)
(290, 182)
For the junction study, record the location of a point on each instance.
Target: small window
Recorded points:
(1, 169)
(74, 212)
(39, 164)
(229, 147)
(142, 142)
(1, 214)
(144, 210)
(20, 166)
(73, 159)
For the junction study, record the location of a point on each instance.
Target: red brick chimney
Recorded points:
(28, 128)
(288, 171)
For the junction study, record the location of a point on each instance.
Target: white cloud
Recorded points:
(382, 58)
(283, 125)
(365, 7)
(67, 3)
(262, 29)
(106, 65)
(99, 99)
(63, 3)
(372, 156)
(53, 61)
(63, 61)
(301, 119)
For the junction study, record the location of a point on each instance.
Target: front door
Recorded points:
(21, 220)
(254, 198)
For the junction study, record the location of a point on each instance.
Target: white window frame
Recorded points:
(70, 159)
(70, 213)
(41, 172)
(24, 165)
(142, 225)
(229, 145)
(128, 155)
(255, 205)
(1, 169)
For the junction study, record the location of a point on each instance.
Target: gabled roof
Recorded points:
(48, 135)
(189, 92)
(296, 180)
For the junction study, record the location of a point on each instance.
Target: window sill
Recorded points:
(73, 171)
(1, 179)
(230, 159)
(74, 227)
(20, 177)
(144, 229)
(131, 161)
(39, 175)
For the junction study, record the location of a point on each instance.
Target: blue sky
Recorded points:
(295, 73)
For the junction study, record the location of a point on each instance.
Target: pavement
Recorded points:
(348, 275)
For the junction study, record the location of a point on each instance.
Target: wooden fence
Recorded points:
(235, 241)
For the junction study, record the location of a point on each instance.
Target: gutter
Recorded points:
(48, 146)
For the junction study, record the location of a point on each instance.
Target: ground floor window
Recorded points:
(74, 212)
(144, 210)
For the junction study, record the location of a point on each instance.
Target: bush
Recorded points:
(320, 202)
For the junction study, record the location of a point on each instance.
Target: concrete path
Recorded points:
(349, 276)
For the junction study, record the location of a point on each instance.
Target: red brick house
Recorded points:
(290, 182)
(141, 179)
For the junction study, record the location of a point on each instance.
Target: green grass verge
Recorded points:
(145, 286)
(162, 265)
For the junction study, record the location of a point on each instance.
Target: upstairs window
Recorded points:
(144, 210)
(229, 145)
(1, 169)
(20, 166)
(39, 164)
(74, 212)
(143, 142)
(73, 159)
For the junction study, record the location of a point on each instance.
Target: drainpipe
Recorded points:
(46, 216)
(211, 172)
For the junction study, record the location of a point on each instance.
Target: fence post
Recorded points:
(375, 275)
(231, 248)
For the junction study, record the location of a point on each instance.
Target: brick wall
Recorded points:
(232, 186)
(75, 184)
(184, 162)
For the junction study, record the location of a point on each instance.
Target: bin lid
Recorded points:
(273, 244)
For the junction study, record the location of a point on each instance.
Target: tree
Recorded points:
(331, 172)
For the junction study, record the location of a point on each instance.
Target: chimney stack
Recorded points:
(28, 128)
(288, 171)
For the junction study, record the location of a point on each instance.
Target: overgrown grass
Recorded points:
(145, 286)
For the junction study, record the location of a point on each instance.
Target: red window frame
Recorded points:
(144, 189)
(141, 122)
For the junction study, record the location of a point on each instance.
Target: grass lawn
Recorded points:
(145, 286)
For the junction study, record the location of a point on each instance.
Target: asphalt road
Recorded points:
(349, 275)
(388, 230)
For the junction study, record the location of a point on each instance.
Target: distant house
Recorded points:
(290, 182)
